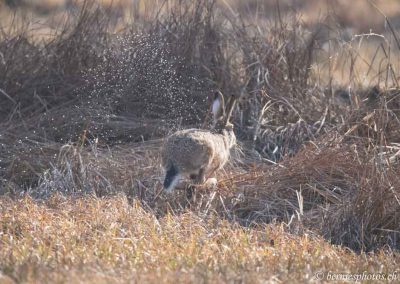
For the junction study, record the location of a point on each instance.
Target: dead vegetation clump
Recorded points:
(337, 191)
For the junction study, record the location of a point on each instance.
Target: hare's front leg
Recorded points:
(198, 178)
(209, 182)
(201, 177)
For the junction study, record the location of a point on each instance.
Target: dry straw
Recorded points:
(81, 114)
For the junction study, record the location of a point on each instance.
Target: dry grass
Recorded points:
(106, 240)
(312, 186)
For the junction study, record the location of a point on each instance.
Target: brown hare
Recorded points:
(197, 153)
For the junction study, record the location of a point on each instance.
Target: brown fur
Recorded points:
(192, 149)
(198, 153)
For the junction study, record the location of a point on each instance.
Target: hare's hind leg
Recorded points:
(212, 181)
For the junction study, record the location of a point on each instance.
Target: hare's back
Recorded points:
(189, 149)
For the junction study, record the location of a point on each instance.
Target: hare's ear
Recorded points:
(229, 109)
(218, 106)
(210, 100)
